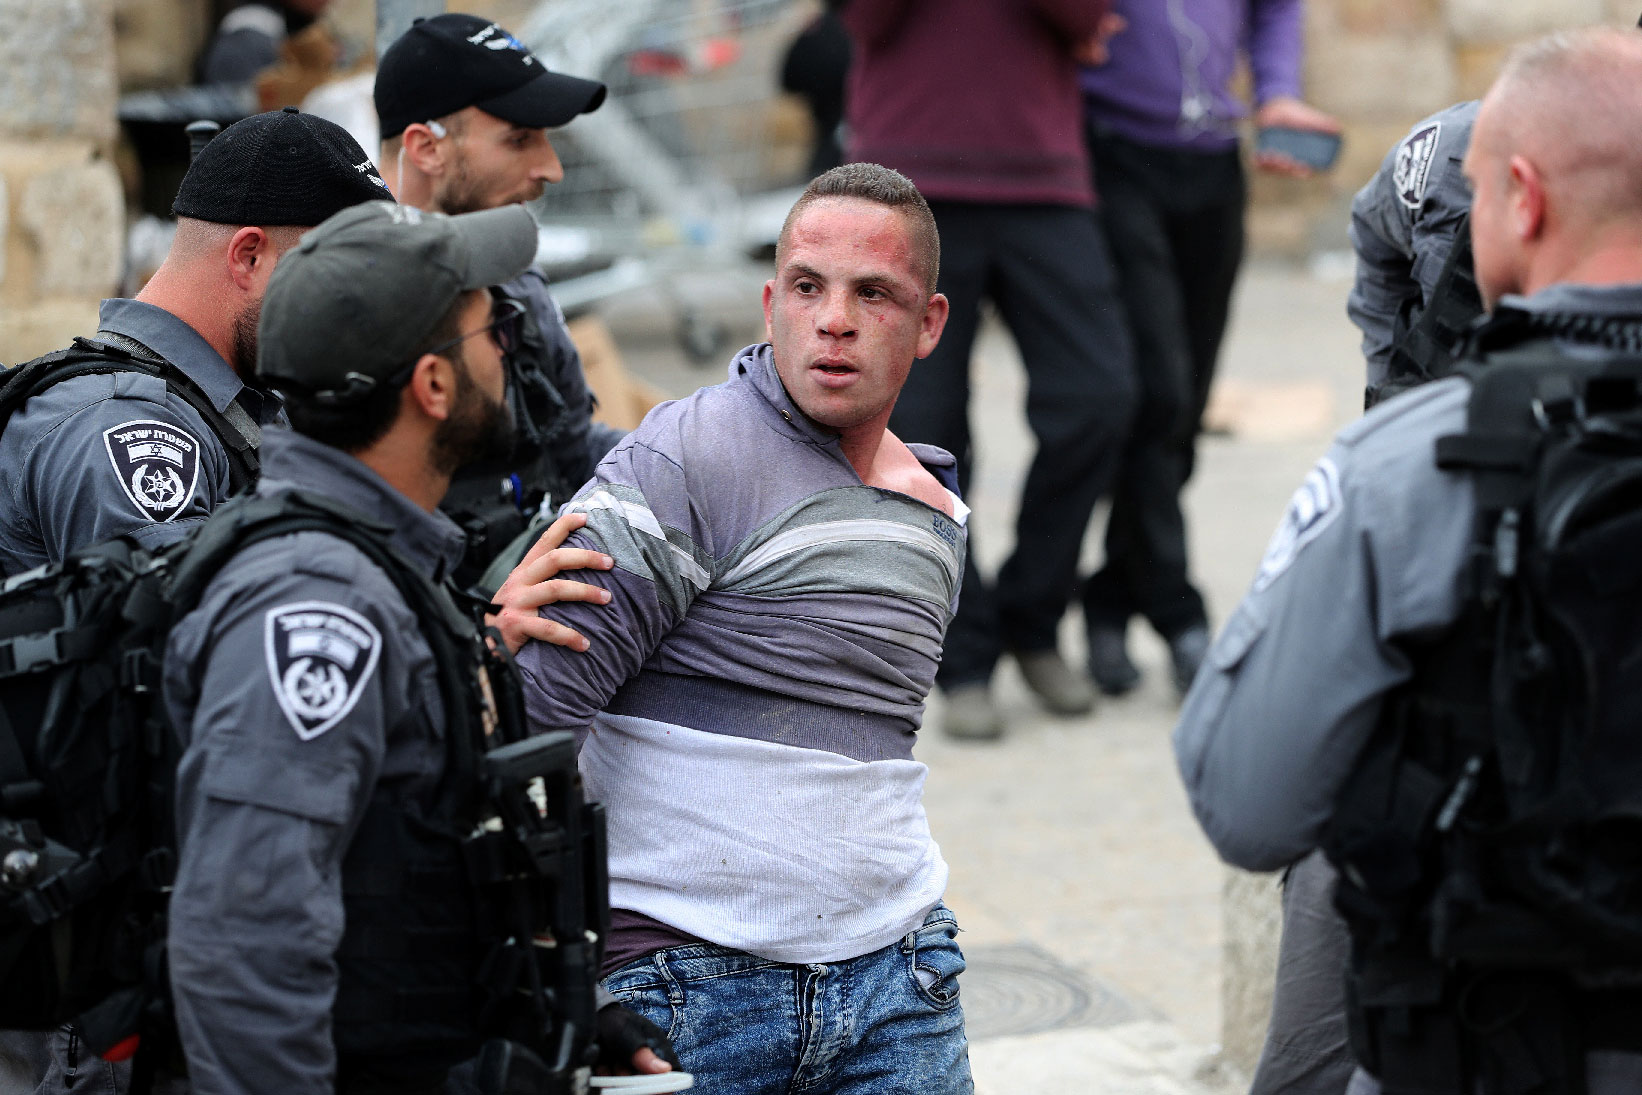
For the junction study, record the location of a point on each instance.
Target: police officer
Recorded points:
(1368, 559)
(1405, 225)
(302, 684)
(464, 110)
(125, 453)
(1410, 232)
(96, 457)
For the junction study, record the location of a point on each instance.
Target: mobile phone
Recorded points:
(1315, 149)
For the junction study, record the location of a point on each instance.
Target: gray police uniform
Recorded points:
(1369, 554)
(1403, 224)
(300, 683)
(117, 454)
(102, 456)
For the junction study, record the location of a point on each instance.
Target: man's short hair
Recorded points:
(1569, 102)
(454, 124)
(882, 186)
(197, 238)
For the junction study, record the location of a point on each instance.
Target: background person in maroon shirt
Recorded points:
(977, 101)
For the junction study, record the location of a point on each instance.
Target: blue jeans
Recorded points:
(886, 1023)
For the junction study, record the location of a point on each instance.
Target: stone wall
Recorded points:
(156, 41)
(62, 214)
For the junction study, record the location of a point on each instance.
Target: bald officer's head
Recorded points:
(1555, 165)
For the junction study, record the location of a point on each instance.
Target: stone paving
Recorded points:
(1090, 902)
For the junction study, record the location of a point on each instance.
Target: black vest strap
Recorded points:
(447, 631)
(1430, 345)
(244, 463)
(90, 357)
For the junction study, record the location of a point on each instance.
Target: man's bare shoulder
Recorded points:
(896, 468)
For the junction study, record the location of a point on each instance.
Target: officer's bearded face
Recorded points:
(492, 163)
(478, 430)
(243, 339)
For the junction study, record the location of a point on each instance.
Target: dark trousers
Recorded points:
(1047, 270)
(1174, 220)
(1306, 1050)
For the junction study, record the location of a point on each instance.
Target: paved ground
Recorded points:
(1091, 903)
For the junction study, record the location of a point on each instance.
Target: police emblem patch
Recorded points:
(157, 464)
(1413, 168)
(319, 657)
(1312, 509)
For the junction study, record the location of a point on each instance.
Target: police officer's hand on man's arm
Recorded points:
(534, 583)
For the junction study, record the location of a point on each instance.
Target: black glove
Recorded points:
(622, 1033)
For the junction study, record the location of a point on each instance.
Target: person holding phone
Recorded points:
(1162, 126)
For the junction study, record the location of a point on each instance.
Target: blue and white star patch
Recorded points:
(320, 655)
(1312, 509)
(157, 465)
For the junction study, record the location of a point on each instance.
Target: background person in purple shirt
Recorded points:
(1162, 123)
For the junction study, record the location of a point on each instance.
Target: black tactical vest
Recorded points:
(479, 916)
(1489, 838)
(475, 916)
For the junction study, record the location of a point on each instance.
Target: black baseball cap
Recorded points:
(448, 62)
(358, 297)
(279, 168)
